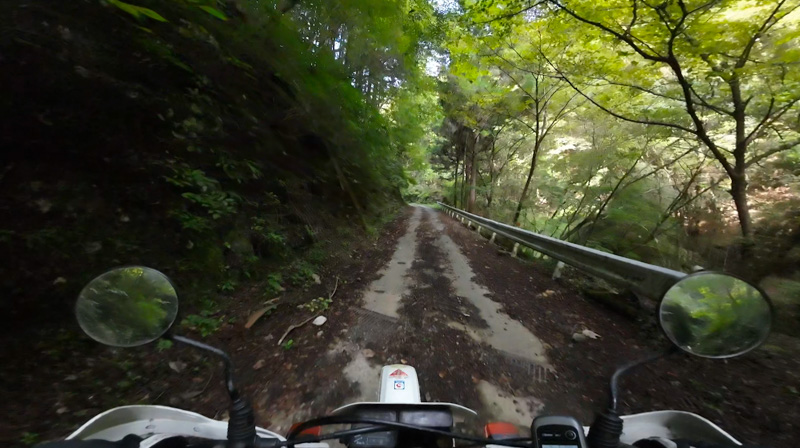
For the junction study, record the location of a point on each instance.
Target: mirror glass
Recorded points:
(715, 315)
(127, 306)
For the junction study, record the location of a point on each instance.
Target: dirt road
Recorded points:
(429, 308)
(495, 334)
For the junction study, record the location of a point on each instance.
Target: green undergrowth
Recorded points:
(213, 145)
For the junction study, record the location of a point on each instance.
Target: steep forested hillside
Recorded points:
(206, 138)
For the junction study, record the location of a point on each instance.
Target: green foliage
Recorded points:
(273, 284)
(268, 237)
(137, 11)
(163, 345)
(207, 194)
(29, 438)
(214, 12)
(316, 255)
(317, 305)
(204, 325)
(227, 286)
(288, 344)
(300, 274)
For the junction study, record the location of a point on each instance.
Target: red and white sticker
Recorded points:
(398, 374)
(399, 385)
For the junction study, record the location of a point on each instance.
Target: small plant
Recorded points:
(163, 345)
(227, 286)
(191, 221)
(288, 344)
(208, 306)
(318, 305)
(273, 286)
(270, 238)
(29, 438)
(202, 324)
(316, 255)
(125, 365)
(301, 274)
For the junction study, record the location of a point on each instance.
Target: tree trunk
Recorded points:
(455, 182)
(464, 179)
(739, 194)
(473, 176)
(527, 186)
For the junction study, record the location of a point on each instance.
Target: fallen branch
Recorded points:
(271, 305)
(336, 286)
(292, 327)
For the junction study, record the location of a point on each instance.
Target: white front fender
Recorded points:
(155, 423)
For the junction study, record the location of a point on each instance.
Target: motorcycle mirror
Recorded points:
(715, 315)
(127, 306)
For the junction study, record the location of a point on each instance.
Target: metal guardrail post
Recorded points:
(644, 279)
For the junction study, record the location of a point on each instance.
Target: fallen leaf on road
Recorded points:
(259, 364)
(316, 279)
(320, 320)
(177, 366)
(442, 374)
(367, 353)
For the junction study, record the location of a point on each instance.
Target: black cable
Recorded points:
(334, 420)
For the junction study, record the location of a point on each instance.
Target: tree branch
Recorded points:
(614, 114)
(780, 148)
(663, 165)
(627, 38)
(768, 120)
(708, 105)
(640, 88)
(512, 14)
(765, 26)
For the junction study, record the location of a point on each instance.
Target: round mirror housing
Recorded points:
(127, 306)
(715, 315)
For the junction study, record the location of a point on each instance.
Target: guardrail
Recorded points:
(644, 279)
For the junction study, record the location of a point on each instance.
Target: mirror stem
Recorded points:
(607, 426)
(614, 385)
(234, 394)
(241, 421)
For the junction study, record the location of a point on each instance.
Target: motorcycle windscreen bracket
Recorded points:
(553, 431)
(399, 384)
